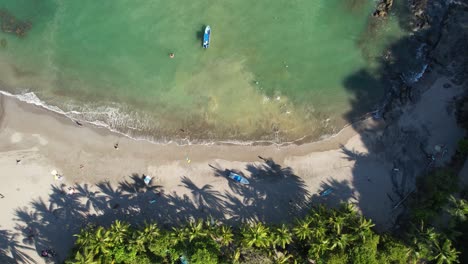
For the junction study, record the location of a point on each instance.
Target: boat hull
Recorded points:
(207, 37)
(238, 178)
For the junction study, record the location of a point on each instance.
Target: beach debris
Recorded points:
(71, 190)
(18, 161)
(402, 200)
(56, 175)
(152, 201)
(2, 196)
(78, 123)
(187, 159)
(147, 179)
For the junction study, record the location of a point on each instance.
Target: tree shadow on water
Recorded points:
(395, 154)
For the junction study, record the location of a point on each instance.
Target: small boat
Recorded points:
(206, 37)
(238, 178)
(326, 192)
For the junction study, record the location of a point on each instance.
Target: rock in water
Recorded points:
(383, 8)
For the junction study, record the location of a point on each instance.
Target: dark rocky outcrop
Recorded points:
(10, 24)
(383, 8)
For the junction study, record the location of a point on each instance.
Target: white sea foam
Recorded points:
(116, 120)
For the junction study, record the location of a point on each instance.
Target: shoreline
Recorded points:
(35, 101)
(354, 163)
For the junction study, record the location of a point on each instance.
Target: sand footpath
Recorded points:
(372, 164)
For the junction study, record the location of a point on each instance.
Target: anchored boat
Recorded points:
(206, 37)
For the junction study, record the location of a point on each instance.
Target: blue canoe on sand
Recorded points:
(206, 37)
(238, 178)
(326, 192)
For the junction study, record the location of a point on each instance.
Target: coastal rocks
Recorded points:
(383, 8)
(10, 24)
(451, 48)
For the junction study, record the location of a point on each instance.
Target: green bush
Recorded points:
(463, 147)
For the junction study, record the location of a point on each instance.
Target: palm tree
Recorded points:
(423, 241)
(446, 254)
(458, 208)
(320, 229)
(281, 258)
(119, 232)
(138, 241)
(337, 221)
(151, 232)
(341, 241)
(141, 239)
(302, 229)
(86, 258)
(319, 248)
(101, 241)
(236, 256)
(84, 238)
(178, 235)
(196, 229)
(363, 228)
(224, 235)
(257, 235)
(282, 236)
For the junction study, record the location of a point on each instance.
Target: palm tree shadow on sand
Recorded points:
(274, 195)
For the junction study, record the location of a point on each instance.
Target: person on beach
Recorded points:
(48, 253)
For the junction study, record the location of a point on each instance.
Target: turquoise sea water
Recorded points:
(274, 71)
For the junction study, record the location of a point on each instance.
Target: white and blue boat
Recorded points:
(238, 178)
(206, 37)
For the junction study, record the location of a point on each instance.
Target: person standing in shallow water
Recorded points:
(171, 55)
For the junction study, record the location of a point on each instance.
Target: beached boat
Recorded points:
(206, 37)
(326, 192)
(238, 178)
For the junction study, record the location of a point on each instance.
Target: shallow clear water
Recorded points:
(274, 71)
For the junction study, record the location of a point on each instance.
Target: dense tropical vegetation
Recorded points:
(322, 236)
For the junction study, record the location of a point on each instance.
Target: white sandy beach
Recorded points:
(372, 164)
